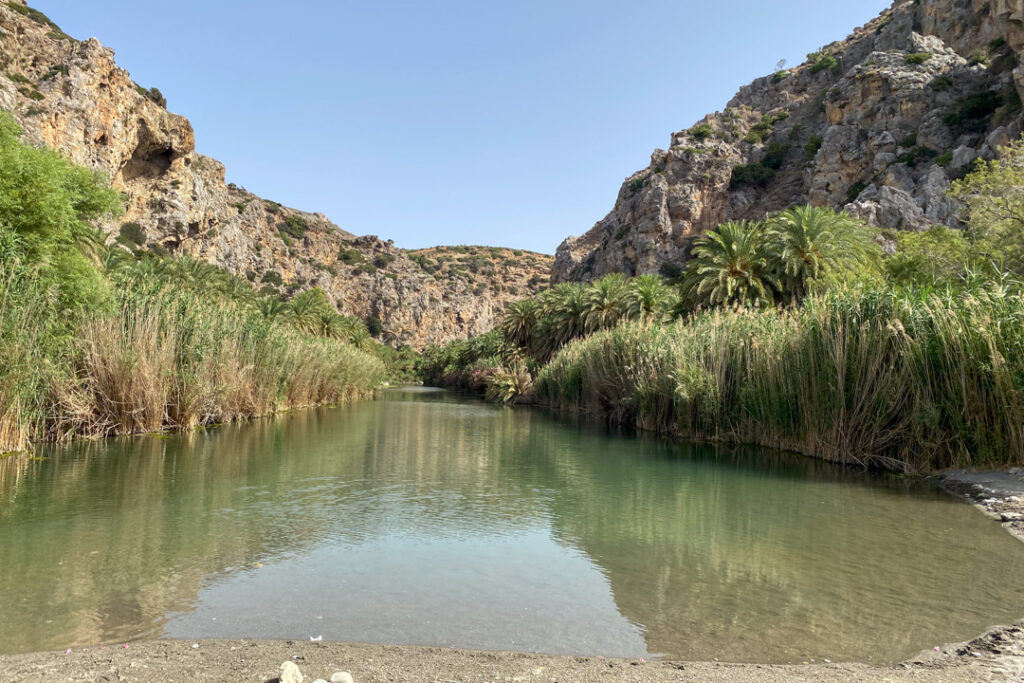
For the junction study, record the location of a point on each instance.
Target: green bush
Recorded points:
(295, 226)
(131, 234)
(822, 60)
(60, 69)
(702, 132)
(760, 173)
(973, 112)
(917, 58)
(349, 256)
(384, 260)
(272, 277)
(813, 145)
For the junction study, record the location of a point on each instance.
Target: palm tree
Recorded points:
(307, 309)
(563, 310)
(648, 298)
(271, 307)
(606, 302)
(729, 266)
(519, 321)
(807, 243)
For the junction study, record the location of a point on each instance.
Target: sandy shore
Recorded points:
(996, 656)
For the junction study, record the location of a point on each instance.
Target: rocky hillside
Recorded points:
(879, 123)
(72, 96)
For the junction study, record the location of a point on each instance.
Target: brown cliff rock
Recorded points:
(879, 123)
(71, 95)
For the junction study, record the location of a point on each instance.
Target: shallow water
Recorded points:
(426, 519)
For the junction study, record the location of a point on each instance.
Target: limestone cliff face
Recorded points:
(879, 123)
(72, 96)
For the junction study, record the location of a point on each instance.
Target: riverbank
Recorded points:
(997, 656)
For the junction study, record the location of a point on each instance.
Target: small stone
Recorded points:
(319, 680)
(290, 673)
(341, 677)
(1011, 517)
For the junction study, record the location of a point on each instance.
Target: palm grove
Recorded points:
(808, 331)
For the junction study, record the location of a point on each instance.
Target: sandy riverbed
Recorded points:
(996, 656)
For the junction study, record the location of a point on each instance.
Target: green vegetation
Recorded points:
(918, 58)
(384, 260)
(97, 341)
(795, 332)
(973, 112)
(40, 18)
(916, 155)
(822, 60)
(60, 69)
(702, 132)
(760, 173)
(855, 190)
(131, 235)
(813, 145)
(994, 199)
(902, 381)
(763, 128)
(294, 226)
(153, 94)
(349, 256)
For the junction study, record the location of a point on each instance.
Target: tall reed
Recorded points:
(165, 358)
(900, 381)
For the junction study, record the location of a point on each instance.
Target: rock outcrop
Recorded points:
(73, 97)
(879, 124)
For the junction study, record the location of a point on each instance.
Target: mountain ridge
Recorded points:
(72, 96)
(878, 124)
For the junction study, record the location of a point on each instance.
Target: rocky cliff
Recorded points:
(879, 123)
(72, 96)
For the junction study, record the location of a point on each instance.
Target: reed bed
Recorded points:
(163, 359)
(884, 379)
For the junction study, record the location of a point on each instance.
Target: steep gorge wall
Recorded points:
(72, 96)
(880, 125)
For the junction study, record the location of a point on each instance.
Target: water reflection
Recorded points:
(426, 519)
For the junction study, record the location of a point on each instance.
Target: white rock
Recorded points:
(341, 677)
(290, 673)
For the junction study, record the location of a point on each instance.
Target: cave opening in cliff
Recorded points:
(151, 158)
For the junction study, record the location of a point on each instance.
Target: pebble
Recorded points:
(290, 673)
(1011, 517)
(341, 677)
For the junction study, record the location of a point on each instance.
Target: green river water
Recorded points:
(424, 518)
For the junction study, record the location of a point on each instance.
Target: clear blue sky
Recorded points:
(450, 121)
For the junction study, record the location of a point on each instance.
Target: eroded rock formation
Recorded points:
(72, 96)
(879, 123)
